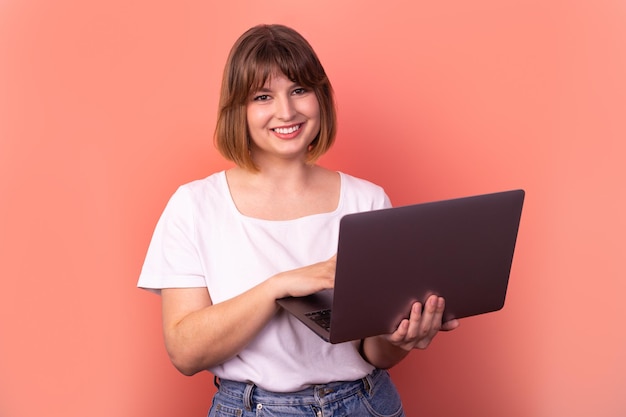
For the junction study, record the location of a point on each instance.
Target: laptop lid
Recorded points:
(461, 249)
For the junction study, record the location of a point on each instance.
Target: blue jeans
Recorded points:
(375, 395)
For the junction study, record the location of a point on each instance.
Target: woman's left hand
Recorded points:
(422, 326)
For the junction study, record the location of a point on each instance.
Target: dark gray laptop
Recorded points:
(461, 249)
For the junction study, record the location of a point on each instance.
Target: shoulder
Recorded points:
(214, 182)
(195, 195)
(214, 185)
(360, 186)
(363, 192)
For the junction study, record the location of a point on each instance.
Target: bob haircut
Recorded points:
(257, 55)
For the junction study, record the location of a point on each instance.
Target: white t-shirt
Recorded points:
(202, 240)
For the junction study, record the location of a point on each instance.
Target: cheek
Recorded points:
(255, 117)
(313, 109)
(317, 116)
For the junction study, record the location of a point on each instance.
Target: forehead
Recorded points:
(275, 79)
(263, 67)
(263, 75)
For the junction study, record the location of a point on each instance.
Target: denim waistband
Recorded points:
(250, 395)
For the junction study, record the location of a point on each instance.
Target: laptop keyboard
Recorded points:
(321, 317)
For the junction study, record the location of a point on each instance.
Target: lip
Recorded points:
(288, 132)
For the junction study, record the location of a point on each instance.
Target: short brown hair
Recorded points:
(257, 55)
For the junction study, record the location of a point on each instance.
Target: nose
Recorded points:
(285, 109)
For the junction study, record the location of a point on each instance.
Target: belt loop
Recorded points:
(247, 396)
(368, 384)
(216, 381)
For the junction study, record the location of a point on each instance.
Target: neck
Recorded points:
(287, 177)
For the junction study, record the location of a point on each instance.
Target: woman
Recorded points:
(228, 246)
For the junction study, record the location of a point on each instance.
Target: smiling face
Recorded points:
(283, 119)
(277, 59)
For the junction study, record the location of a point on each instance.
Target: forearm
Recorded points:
(213, 334)
(381, 353)
(199, 335)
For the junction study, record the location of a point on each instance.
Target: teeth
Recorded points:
(286, 131)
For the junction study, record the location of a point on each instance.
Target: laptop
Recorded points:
(461, 249)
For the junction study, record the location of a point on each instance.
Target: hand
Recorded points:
(422, 326)
(307, 280)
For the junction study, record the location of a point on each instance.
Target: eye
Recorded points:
(299, 91)
(261, 97)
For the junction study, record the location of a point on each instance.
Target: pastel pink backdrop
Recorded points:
(105, 107)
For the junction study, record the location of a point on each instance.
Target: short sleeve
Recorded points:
(172, 259)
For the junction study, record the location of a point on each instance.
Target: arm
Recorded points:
(199, 334)
(416, 332)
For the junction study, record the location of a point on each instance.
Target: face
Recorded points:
(283, 119)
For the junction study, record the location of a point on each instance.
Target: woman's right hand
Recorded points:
(306, 280)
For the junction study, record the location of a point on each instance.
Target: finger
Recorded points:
(430, 321)
(450, 325)
(432, 314)
(415, 321)
(401, 332)
(438, 316)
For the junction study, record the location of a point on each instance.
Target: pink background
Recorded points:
(105, 107)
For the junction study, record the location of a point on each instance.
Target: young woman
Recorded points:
(229, 245)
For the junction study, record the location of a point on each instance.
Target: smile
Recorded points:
(287, 130)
